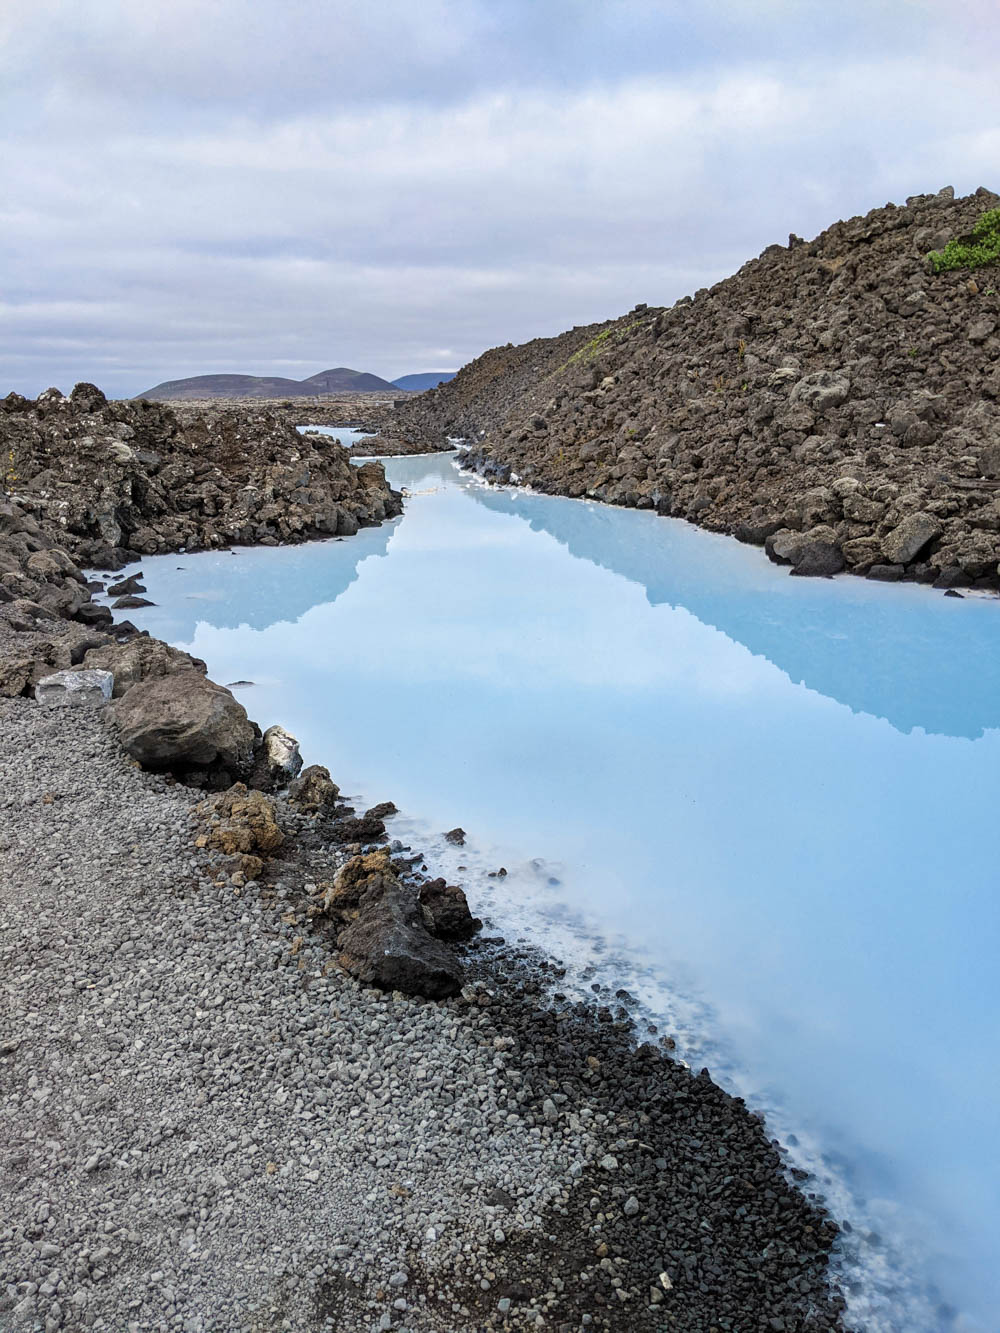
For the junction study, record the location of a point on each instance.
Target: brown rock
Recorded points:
(341, 899)
(313, 791)
(139, 659)
(15, 676)
(182, 721)
(248, 824)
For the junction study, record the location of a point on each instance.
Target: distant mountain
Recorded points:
(429, 380)
(225, 386)
(340, 380)
(343, 380)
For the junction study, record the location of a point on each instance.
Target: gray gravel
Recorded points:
(206, 1124)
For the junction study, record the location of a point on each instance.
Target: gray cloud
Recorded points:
(220, 187)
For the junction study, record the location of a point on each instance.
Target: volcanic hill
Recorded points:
(837, 400)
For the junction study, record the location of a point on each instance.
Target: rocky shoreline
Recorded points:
(111, 482)
(227, 1105)
(210, 1125)
(836, 401)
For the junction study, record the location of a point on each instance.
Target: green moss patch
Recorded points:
(981, 247)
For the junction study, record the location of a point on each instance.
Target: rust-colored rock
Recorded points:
(247, 823)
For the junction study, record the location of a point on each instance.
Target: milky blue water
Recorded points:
(767, 804)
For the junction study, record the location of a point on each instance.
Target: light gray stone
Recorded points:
(906, 541)
(281, 752)
(75, 689)
(822, 390)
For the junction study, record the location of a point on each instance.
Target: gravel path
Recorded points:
(208, 1126)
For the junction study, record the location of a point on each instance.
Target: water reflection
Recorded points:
(255, 587)
(865, 645)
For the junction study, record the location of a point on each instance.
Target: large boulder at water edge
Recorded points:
(906, 541)
(816, 552)
(446, 912)
(183, 721)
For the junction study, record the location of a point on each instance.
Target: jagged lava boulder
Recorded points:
(388, 945)
(446, 912)
(389, 936)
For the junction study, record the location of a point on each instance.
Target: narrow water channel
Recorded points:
(766, 805)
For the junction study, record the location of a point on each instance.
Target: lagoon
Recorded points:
(765, 805)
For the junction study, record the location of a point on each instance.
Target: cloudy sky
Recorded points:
(193, 186)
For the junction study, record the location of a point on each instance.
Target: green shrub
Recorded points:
(981, 247)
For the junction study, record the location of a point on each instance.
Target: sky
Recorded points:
(198, 186)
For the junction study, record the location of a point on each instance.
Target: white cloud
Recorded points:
(155, 223)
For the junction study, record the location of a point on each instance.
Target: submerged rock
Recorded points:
(383, 810)
(127, 587)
